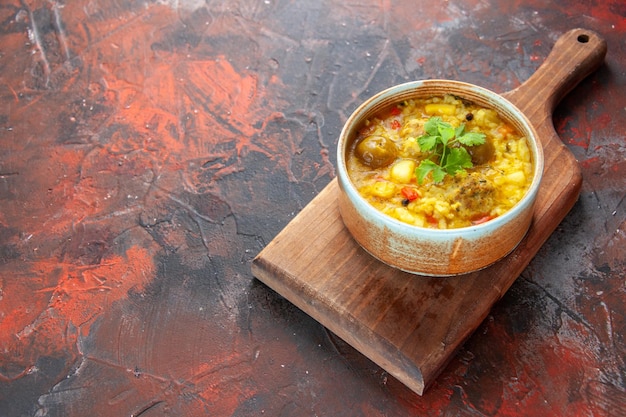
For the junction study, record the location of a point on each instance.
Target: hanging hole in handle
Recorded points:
(583, 38)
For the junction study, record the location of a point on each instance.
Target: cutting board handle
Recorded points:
(575, 55)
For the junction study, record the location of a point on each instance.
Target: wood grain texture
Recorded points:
(408, 324)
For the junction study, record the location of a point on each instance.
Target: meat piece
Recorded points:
(474, 194)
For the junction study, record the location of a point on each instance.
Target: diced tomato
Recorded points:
(430, 219)
(395, 124)
(396, 111)
(410, 193)
(505, 130)
(482, 219)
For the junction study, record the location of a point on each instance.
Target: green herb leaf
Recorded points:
(442, 141)
(471, 138)
(446, 132)
(438, 174)
(426, 167)
(432, 126)
(427, 142)
(457, 159)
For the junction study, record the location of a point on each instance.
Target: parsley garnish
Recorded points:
(442, 141)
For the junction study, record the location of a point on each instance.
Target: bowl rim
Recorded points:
(386, 97)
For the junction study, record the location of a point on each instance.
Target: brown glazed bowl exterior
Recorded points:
(426, 251)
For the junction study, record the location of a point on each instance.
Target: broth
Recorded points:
(383, 159)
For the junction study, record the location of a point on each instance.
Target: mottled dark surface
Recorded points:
(150, 149)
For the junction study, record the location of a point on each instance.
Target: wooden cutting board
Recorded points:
(412, 325)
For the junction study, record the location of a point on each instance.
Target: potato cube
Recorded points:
(440, 108)
(403, 171)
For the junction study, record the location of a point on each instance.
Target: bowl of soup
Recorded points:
(438, 177)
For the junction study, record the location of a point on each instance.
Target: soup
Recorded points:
(440, 162)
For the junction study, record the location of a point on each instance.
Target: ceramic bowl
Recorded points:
(427, 251)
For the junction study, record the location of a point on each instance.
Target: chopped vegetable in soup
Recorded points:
(440, 162)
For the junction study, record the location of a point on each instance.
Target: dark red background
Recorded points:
(150, 149)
